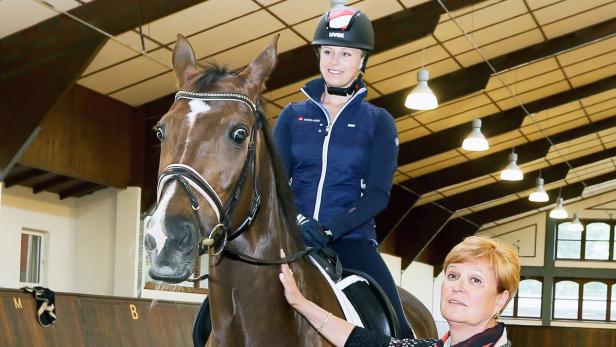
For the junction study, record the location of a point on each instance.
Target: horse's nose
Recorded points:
(182, 233)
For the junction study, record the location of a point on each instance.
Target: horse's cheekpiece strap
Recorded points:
(184, 94)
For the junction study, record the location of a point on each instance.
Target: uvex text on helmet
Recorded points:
(346, 27)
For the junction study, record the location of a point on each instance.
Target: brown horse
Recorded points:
(221, 189)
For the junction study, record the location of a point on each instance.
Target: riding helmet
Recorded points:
(346, 27)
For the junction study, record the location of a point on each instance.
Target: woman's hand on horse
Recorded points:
(291, 292)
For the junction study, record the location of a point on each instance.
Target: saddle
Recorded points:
(368, 300)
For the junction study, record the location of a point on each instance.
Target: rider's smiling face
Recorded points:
(340, 65)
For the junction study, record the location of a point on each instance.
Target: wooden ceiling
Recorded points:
(551, 95)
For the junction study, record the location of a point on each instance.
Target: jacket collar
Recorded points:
(314, 90)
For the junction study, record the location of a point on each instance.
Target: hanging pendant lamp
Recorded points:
(559, 211)
(576, 225)
(539, 194)
(475, 141)
(421, 97)
(512, 171)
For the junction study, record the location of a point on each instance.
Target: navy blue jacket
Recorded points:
(341, 173)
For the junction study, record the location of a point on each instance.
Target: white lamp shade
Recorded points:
(559, 211)
(421, 97)
(539, 194)
(475, 141)
(576, 225)
(512, 172)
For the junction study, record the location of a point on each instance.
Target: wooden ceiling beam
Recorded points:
(400, 203)
(493, 162)
(495, 124)
(414, 232)
(79, 190)
(16, 179)
(474, 78)
(389, 32)
(523, 205)
(50, 183)
(42, 61)
(457, 229)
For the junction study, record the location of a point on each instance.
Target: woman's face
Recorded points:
(340, 65)
(469, 294)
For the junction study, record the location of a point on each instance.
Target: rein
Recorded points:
(219, 238)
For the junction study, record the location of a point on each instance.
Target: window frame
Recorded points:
(583, 240)
(581, 282)
(515, 313)
(42, 261)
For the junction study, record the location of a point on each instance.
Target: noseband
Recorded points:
(191, 180)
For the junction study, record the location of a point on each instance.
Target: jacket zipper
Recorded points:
(325, 149)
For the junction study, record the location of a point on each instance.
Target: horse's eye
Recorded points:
(160, 134)
(239, 135)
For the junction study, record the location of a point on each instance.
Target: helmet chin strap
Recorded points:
(342, 91)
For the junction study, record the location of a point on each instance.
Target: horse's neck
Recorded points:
(249, 299)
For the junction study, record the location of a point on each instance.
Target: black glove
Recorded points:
(315, 235)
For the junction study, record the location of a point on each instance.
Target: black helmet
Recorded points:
(345, 26)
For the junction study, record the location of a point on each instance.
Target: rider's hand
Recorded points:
(315, 235)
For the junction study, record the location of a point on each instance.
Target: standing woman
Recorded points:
(340, 152)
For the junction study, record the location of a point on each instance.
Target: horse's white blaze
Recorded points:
(156, 227)
(196, 107)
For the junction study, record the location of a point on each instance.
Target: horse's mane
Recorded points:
(216, 73)
(285, 198)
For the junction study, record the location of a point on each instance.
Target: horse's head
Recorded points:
(207, 160)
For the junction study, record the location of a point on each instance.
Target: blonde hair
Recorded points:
(501, 257)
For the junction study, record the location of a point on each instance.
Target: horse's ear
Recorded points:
(184, 61)
(260, 68)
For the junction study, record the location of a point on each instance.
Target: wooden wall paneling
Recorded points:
(91, 137)
(88, 320)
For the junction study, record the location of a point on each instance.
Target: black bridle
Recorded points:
(219, 238)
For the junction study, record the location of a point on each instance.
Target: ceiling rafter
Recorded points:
(522, 205)
(493, 162)
(32, 69)
(414, 232)
(50, 184)
(23, 176)
(474, 78)
(79, 190)
(495, 124)
(483, 194)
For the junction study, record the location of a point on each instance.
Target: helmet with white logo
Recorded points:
(346, 27)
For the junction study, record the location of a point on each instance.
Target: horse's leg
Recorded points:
(418, 315)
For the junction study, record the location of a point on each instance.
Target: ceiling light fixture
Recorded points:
(421, 97)
(539, 194)
(475, 141)
(512, 171)
(576, 225)
(559, 211)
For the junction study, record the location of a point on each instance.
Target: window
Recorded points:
(594, 303)
(585, 299)
(527, 302)
(569, 243)
(31, 257)
(596, 242)
(613, 304)
(566, 295)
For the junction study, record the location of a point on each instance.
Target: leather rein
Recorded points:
(195, 185)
